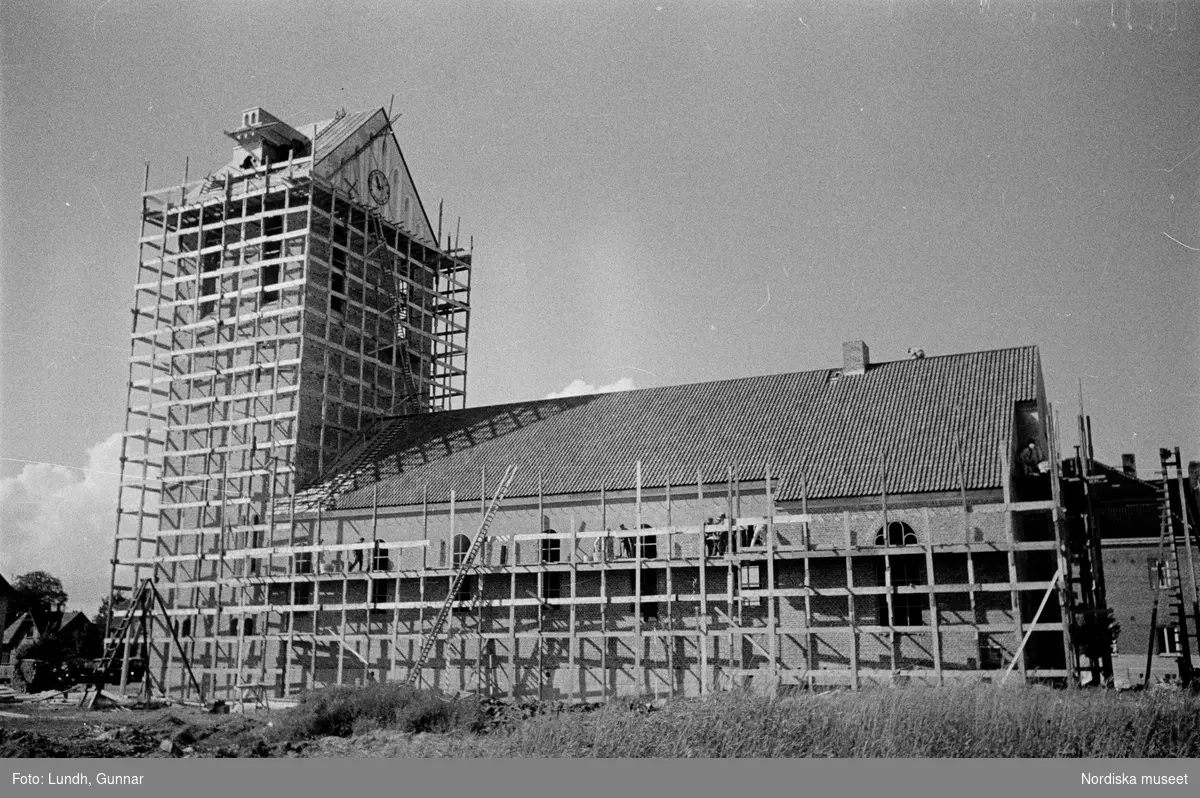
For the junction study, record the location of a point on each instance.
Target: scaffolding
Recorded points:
(276, 320)
(766, 597)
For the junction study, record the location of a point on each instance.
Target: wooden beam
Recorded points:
(934, 614)
(1017, 657)
(639, 642)
(772, 620)
(702, 635)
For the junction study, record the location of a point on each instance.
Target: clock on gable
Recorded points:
(378, 187)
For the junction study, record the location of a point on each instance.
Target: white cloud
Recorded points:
(61, 520)
(581, 388)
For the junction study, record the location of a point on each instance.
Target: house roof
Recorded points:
(23, 622)
(823, 436)
(72, 618)
(53, 622)
(6, 589)
(1131, 487)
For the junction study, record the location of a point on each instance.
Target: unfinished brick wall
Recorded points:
(830, 614)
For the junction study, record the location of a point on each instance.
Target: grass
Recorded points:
(975, 721)
(343, 711)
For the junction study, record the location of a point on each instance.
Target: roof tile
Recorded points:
(898, 422)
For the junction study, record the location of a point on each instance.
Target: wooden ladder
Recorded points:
(1167, 581)
(410, 397)
(461, 574)
(140, 609)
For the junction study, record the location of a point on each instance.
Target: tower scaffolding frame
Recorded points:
(264, 339)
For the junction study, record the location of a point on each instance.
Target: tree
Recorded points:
(101, 618)
(39, 592)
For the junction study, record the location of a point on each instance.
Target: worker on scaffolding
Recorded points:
(1031, 459)
(627, 549)
(357, 561)
(712, 539)
(598, 544)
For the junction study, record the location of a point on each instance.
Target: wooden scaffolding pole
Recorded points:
(772, 619)
(850, 602)
(670, 586)
(733, 662)
(1010, 539)
(604, 559)
(638, 543)
(702, 621)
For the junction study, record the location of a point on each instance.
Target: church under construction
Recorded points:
(306, 488)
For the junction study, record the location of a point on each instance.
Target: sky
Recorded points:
(658, 193)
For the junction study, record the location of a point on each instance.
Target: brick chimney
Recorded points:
(856, 357)
(1129, 465)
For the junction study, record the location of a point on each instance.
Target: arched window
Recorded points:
(462, 544)
(907, 570)
(551, 548)
(898, 534)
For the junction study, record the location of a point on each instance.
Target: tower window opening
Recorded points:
(270, 283)
(337, 285)
(209, 263)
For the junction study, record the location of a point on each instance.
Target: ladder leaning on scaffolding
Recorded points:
(1167, 579)
(464, 566)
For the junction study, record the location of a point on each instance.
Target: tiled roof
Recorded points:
(832, 434)
(23, 623)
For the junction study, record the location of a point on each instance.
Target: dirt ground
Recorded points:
(59, 727)
(46, 729)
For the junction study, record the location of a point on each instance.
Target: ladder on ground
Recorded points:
(139, 611)
(463, 567)
(1167, 581)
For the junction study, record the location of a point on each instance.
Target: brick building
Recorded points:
(1128, 521)
(301, 477)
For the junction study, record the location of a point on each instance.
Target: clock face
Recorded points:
(378, 187)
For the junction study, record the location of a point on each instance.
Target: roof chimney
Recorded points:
(1129, 465)
(856, 357)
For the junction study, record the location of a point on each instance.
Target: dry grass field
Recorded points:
(390, 720)
(977, 721)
